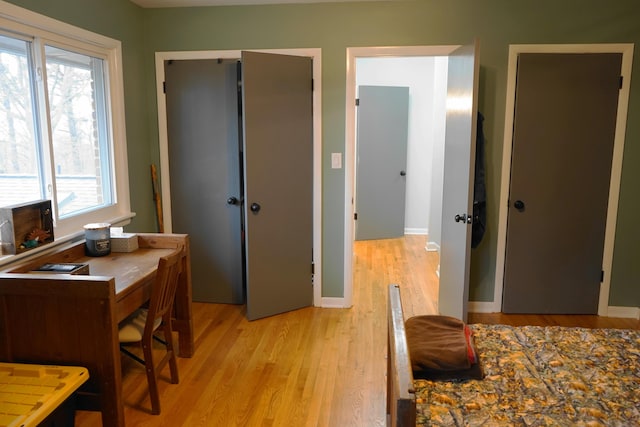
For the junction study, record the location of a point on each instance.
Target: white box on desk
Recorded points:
(125, 242)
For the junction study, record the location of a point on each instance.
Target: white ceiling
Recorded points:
(191, 3)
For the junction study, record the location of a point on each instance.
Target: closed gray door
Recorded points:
(278, 156)
(204, 165)
(457, 198)
(564, 126)
(383, 118)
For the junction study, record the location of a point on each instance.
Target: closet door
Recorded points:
(564, 129)
(204, 171)
(278, 164)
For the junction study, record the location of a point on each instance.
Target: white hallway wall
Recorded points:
(423, 76)
(439, 121)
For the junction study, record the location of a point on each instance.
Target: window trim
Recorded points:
(29, 24)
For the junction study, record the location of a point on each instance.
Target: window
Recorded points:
(19, 148)
(79, 133)
(62, 121)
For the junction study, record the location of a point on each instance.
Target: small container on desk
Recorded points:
(97, 239)
(25, 226)
(123, 242)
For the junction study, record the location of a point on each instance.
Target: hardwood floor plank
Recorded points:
(312, 367)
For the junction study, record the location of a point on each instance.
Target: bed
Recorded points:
(532, 376)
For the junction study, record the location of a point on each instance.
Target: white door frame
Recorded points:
(616, 170)
(163, 141)
(350, 143)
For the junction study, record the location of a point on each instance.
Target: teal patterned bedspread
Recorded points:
(541, 376)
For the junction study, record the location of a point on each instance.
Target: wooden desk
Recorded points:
(73, 320)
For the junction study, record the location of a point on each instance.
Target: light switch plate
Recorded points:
(336, 160)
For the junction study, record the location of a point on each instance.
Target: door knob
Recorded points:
(233, 201)
(519, 204)
(255, 207)
(464, 218)
(403, 173)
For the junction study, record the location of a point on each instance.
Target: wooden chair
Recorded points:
(140, 326)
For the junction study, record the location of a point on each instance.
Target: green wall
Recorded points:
(336, 26)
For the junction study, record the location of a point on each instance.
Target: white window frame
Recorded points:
(27, 23)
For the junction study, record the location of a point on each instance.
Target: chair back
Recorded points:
(164, 289)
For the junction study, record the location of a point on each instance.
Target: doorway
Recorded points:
(314, 54)
(359, 58)
(616, 164)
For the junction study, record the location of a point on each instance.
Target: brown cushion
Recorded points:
(441, 347)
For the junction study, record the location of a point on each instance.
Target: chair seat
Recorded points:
(132, 328)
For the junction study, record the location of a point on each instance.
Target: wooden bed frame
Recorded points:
(401, 398)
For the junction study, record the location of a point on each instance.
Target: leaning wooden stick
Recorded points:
(157, 199)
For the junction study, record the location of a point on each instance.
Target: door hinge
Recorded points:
(357, 102)
(602, 276)
(355, 216)
(621, 80)
(164, 87)
(313, 268)
(312, 85)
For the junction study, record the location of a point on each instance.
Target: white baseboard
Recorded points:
(333, 302)
(432, 247)
(418, 231)
(627, 312)
(483, 307)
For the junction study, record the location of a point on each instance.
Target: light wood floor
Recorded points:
(310, 367)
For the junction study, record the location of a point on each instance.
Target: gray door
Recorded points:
(383, 117)
(204, 163)
(564, 126)
(459, 166)
(278, 158)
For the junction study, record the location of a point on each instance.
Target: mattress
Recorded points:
(541, 376)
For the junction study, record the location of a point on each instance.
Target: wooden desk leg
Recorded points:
(109, 402)
(105, 369)
(113, 405)
(183, 322)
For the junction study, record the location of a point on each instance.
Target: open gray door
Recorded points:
(204, 157)
(383, 121)
(459, 167)
(278, 156)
